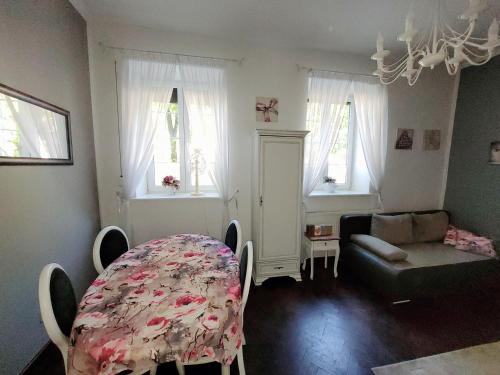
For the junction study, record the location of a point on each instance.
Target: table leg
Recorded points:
(312, 261)
(225, 370)
(180, 368)
(337, 256)
(326, 259)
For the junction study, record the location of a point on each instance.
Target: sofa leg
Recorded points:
(400, 302)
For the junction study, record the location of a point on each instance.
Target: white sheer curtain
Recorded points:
(370, 98)
(42, 132)
(328, 94)
(146, 82)
(205, 95)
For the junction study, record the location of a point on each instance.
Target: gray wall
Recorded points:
(47, 213)
(473, 186)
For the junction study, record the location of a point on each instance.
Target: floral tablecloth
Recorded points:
(165, 300)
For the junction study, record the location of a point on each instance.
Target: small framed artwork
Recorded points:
(266, 109)
(432, 139)
(495, 153)
(404, 139)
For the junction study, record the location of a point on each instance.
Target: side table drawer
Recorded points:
(325, 245)
(278, 267)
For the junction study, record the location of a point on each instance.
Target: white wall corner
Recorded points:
(82, 8)
(449, 136)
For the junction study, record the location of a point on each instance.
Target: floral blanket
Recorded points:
(176, 298)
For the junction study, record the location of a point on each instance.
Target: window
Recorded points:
(175, 141)
(341, 156)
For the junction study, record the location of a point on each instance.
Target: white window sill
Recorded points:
(341, 193)
(153, 196)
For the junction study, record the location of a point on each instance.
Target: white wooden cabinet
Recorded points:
(277, 203)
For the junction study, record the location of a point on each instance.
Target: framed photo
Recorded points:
(495, 153)
(404, 139)
(266, 109)
(432, 139)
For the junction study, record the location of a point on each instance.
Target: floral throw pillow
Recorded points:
(450, 237)
(467, 241)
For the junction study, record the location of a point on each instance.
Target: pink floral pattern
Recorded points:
(165, 300)
(467, 241)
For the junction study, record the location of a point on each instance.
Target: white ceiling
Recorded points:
(333, 25)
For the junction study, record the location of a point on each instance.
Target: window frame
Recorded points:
(351, 139)
(186, 186)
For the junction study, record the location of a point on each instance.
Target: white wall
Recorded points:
(48, 213)
(413, 177)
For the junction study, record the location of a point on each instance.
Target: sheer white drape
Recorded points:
(205, 95)
(146, 83)
(42, 132)
(328, 94)
(370, 100)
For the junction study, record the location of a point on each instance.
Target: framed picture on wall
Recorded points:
(404, 139)
(495, 153)
(266, 109)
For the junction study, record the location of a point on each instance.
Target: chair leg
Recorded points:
(226, 370)
(180, 368)
(152, 370)
(241, 362)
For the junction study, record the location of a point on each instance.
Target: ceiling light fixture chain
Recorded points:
(440, 43)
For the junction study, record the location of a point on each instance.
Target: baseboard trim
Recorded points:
(42, 349)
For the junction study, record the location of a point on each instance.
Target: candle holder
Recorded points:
(198, 164)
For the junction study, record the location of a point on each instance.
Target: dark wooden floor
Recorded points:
(328, 326)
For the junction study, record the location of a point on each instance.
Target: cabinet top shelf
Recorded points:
(282, 133)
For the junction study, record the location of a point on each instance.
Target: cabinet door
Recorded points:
(280, 186)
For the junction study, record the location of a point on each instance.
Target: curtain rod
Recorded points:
(238, 61)
(300, 67)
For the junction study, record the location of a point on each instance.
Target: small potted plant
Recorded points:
(172, 183)
(330, 184)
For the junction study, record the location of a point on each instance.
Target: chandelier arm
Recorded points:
(472, 62)
(488, 55)
(451, 68)
(415, 77)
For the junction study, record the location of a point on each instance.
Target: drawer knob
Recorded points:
(278, 268)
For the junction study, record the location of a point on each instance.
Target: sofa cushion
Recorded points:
(432, 254)
(395, 229)
(430, 227)
(379, 247)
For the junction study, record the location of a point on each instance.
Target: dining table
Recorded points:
(171, 299)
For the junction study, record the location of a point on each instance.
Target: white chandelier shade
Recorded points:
(437, 44)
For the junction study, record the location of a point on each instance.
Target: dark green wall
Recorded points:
(473, 186)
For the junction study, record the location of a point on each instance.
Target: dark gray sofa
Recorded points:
(430, 268)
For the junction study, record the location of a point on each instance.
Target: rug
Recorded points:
(476, 360)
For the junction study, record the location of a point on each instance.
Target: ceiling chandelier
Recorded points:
(437, 44)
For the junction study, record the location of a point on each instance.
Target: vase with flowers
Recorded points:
(171, 183)
(330, 184)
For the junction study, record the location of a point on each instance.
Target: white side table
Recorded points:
(320, 243)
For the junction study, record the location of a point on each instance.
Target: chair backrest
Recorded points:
(57, 305)
(110, 243)
(246, 266)
(233, 237)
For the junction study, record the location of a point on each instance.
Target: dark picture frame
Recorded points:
(7, 160)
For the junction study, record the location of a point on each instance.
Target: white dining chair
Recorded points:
(110, 243)
(233, 237)
(57, 306)
(246, 266)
